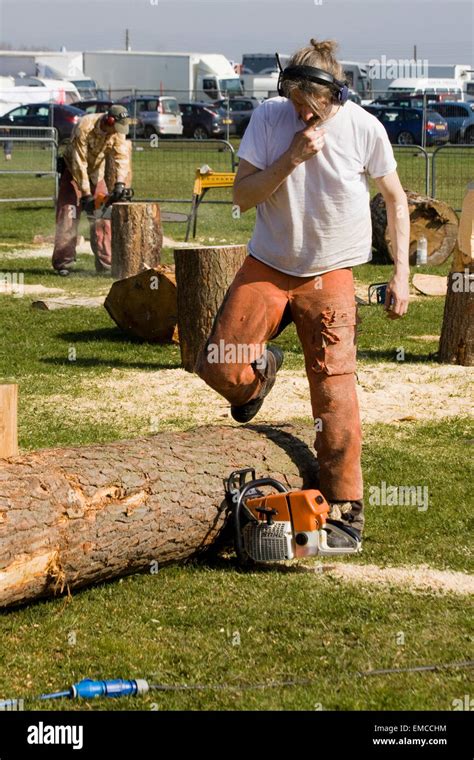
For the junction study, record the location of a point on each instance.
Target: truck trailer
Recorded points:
(185, 76)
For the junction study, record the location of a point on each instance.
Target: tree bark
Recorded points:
(145, 305)
(429, 217)
(456, 345)
(137, 237)
(203, 276)
(74, 517)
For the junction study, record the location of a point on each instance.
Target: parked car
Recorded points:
(355, 97)
(460, 118)
(240, 110)
(155, 114)
(202, 120)
(404, 125)
(63, 118)
(94, 106)
(400, 101)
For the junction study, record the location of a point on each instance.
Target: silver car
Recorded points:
(155, 115)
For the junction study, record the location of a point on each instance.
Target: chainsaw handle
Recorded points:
(252, 484)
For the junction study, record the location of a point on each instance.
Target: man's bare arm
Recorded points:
(398, 222)
(253, 185)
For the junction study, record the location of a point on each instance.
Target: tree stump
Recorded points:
(78, 516)
(145, 305)
(137, 237)
(203, 276)
(429, 217)
(456, 345)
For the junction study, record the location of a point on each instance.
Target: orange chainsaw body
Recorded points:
(306, 510)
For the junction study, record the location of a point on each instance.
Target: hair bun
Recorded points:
(325, 47)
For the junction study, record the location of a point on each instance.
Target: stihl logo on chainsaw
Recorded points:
(284, 525)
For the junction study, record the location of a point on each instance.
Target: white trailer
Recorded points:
(46, 64)
(198, 76)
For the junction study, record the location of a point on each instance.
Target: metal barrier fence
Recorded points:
(29, 158)
(453, 168)
(164, 169)
(413, 166)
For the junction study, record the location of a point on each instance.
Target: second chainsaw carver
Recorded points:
(82, 178)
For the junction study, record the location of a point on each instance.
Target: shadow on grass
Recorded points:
(109, 364)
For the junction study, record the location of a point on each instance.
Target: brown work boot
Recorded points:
(350, 513)
(274, 360)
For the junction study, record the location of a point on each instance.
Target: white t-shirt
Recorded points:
(319, 218)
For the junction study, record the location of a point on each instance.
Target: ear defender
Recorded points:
(109, 119)
(312, 74)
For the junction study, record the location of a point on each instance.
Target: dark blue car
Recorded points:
(460, 118)
(405, 125)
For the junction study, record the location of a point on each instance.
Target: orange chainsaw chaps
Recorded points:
(306, 510)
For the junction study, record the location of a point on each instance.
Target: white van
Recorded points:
(443, 89)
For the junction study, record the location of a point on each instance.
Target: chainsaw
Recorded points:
(103, 203)
(285, 525)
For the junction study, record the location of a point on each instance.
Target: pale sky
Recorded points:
(442, 31)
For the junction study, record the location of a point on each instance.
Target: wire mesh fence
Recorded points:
(165, 169)
(28, 164)
(452, 170)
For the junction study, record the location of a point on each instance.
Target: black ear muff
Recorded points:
(280, 76)
(312, 74)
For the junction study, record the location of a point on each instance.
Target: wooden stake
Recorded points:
(8, 420)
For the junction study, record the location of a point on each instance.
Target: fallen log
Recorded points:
(68, 302)
(429, 217)
(74, 517)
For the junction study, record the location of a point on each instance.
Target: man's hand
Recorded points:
(306, 143)
(87, 204)
(117, 192)
(396, 299)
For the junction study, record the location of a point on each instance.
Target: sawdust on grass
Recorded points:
(148, 402)
(419, 578)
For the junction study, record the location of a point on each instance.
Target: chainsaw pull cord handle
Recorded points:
(248, 486)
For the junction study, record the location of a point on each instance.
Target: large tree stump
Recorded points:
(203, 276)
(137, 237)
(145, 305)
(78, 516)
(429, 217)
(456, 345)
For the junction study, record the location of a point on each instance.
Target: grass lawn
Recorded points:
(212, 624)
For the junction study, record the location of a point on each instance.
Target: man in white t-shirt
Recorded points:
(304, 161)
